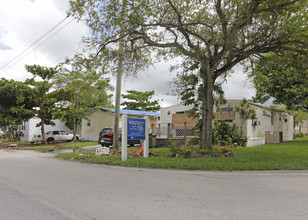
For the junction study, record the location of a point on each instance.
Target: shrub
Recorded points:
(300, 135)
(227, 134)
(174, 149)
(225, 151)
(194, 151)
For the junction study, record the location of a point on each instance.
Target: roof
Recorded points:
(132, 112)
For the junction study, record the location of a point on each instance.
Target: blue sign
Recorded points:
(135, 129)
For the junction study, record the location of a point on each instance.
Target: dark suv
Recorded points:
(105, 138)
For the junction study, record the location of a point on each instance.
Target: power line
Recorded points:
(37, 46)
(34, 43)
(57, 61)
(53, 28)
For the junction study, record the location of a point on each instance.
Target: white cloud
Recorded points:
(22, 22)
(159, 77)
(238, 86)
(156, 78)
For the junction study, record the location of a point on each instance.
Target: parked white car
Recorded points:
(52, 136)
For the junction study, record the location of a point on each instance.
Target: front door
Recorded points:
(280, 137)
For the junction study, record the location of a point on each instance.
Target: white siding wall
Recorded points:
(252, 142)
(288, 131)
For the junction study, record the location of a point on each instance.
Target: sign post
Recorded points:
(146, 142)
(135, 129)
(124, 138)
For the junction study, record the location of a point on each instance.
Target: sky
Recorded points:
(38, 32)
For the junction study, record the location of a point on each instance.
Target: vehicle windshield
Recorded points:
(107, 130)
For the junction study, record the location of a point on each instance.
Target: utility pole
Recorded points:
(117, 104)
(119, 82)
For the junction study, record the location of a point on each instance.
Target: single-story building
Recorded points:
(270, 125)
(104, 117)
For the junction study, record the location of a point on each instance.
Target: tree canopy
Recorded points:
(283, 76)
(85, 87)
(245, 111)
(211, 35)
(16, 106)
(42, 96)
(138, 100)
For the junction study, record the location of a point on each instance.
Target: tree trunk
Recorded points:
(11, 133)
(74, 130)
(207, 111)
(43, 130)
(75, 125)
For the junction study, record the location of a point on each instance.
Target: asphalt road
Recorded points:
(35, 185)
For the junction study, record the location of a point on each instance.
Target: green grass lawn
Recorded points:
(286, 156)
(51, 147)
(6, 141)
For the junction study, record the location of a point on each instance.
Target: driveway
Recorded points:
(35, 185)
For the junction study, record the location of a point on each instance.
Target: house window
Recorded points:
(259, 123)
(89, 122)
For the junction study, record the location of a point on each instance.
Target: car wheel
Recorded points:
(131, 145)
(50, 140)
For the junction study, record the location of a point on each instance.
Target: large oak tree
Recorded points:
(215, 35)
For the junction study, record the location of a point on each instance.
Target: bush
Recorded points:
(227, 134)
(300, 135)
(194, 151)
(18, 135)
